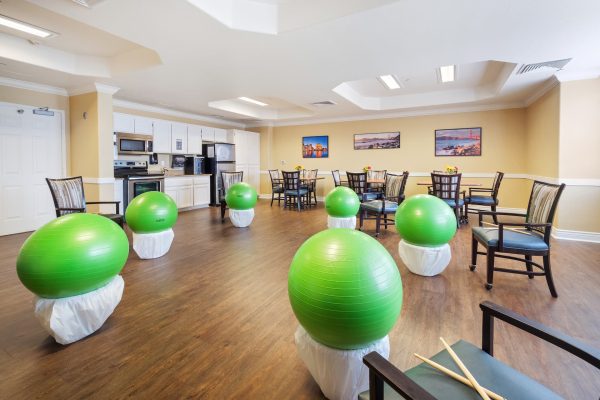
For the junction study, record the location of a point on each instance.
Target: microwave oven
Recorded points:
(129, 143)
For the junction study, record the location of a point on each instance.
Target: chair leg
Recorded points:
(377, 224)
(272, 198)
(361, 217)
(474, 244)
(298, 202)
(223, 211)
(495, 217)
(457, 217)
(529, 266)
(490, 269)
(549, 276)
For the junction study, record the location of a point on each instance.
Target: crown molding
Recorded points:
(36, 87)
(93, 88)
(174, 113)
(545, 88)
(400, 114)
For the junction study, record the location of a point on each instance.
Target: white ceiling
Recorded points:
(187, 60)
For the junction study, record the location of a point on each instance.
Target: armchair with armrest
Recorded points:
(69, 197)
(487, 197)
(386, 204)
(426, 383)
(228, 179)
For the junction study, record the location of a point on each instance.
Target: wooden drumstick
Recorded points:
(465, 371)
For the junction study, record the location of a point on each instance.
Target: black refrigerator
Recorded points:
(220, 157)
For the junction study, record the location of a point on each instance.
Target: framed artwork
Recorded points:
(458, 142)
(383, 140)
(315, 147)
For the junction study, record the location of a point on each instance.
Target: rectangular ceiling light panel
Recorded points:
(249, 100)
(25, 27)
(390, 82)
(447, 73)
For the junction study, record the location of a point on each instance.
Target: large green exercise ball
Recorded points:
(241, 196)
(151, 212)
(72, 255)
(345, 288)
(342, 202)
(425, 220)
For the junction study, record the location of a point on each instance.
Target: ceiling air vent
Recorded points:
(323, 103)
(556, 64)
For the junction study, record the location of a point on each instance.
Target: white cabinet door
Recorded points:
(185, 196)
(178, 138)
(252, 147)
(162, 137)
(254, 176)
(241, 155)
(194, 139)
(201, 195)
(220, 135)
(173, 194)
(123, 123)
(230, 136)
(143, 125)
(208, 134)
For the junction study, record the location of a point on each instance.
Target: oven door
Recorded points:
(135, 187)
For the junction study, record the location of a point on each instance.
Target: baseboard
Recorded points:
(579, 236)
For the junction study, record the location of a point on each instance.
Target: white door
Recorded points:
(31, 150)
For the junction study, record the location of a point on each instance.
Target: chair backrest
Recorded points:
(394, 186)
(337, 180)
(291, 180)
(357, 181)
(311, 173)
(275, 177)
(542, 203)
(67, 193)
(446, 186)
(229, 178)
(496, 184)
(371, 174)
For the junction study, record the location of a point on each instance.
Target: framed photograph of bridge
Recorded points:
(371, 141)
(458, 142)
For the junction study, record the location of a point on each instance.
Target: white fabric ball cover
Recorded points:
(426, 261)
(241, 218)
(345, 222)
(152, 245)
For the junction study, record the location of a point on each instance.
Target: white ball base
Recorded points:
(72, 318)
(340, 374)
(241, 218)
(425, 261)
(152, 245)
(346, 222)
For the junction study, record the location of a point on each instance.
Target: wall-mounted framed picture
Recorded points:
(458, 142)
(315, 146)
(382, 140)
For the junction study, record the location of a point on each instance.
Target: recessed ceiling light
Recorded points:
(390, 82)
(249, 100)
(25, 27)
(447, 73)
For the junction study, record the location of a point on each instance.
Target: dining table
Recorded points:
(428, 183)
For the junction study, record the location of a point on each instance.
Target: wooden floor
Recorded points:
(212, 319)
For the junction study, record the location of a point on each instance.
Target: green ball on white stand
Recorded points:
(342, 205)
(151, 217)
(241, 199)
(426, 225)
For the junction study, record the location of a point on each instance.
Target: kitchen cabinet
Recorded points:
(208, 134)
(247, 156)
(189, 191)
(162, 137)
(142, 125)
(220, 135)
(194, 139)
(123, 123)
(202, 190)
(179, 138)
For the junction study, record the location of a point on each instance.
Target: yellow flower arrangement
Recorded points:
(367, 168)
(451, 169)
(299, 167)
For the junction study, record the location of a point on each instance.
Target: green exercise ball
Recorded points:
(345, 288)
(72, 255)
(342, 202)
(425, 220)
(241, 196)
(151, 212)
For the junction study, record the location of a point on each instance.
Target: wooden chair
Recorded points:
(337, 180)
(532, 238)
(387, 203)
(487, 197)
(310, 183)
(69, 197)
(447, 188)
(292, 189)
(276, 186)
(424, 382)
(376, 187)
(357, 181)
(228, 179)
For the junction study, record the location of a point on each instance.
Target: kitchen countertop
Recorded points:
(185, 176)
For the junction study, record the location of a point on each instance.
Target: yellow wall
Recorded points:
(84, 135)
(542, 134)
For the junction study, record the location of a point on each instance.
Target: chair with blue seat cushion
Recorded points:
(424, 382)
(531, 238)
(447, 187)
(357, 181)
(387, 204)
(309, 182)
(337, 180)
(486, 197)
(276, 186)
(373, 187)
(228, 179)
(293, 193)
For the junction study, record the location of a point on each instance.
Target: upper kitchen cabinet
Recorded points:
(179, 138)
(194, 139)
(221, 136)
(208, 134)
(123, 123)
(162, 136)
(143, 125)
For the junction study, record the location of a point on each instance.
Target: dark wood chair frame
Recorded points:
(59, 210)
(445, 191)
(381, 370)
(291, 181)
(275, 182)
(381, 217)
(492, 192)
(337, 179)
(223, 192)
(311, 186)
(357, 181)
(376, 187)
(492, 252)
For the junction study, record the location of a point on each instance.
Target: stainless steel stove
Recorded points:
(137, 179)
